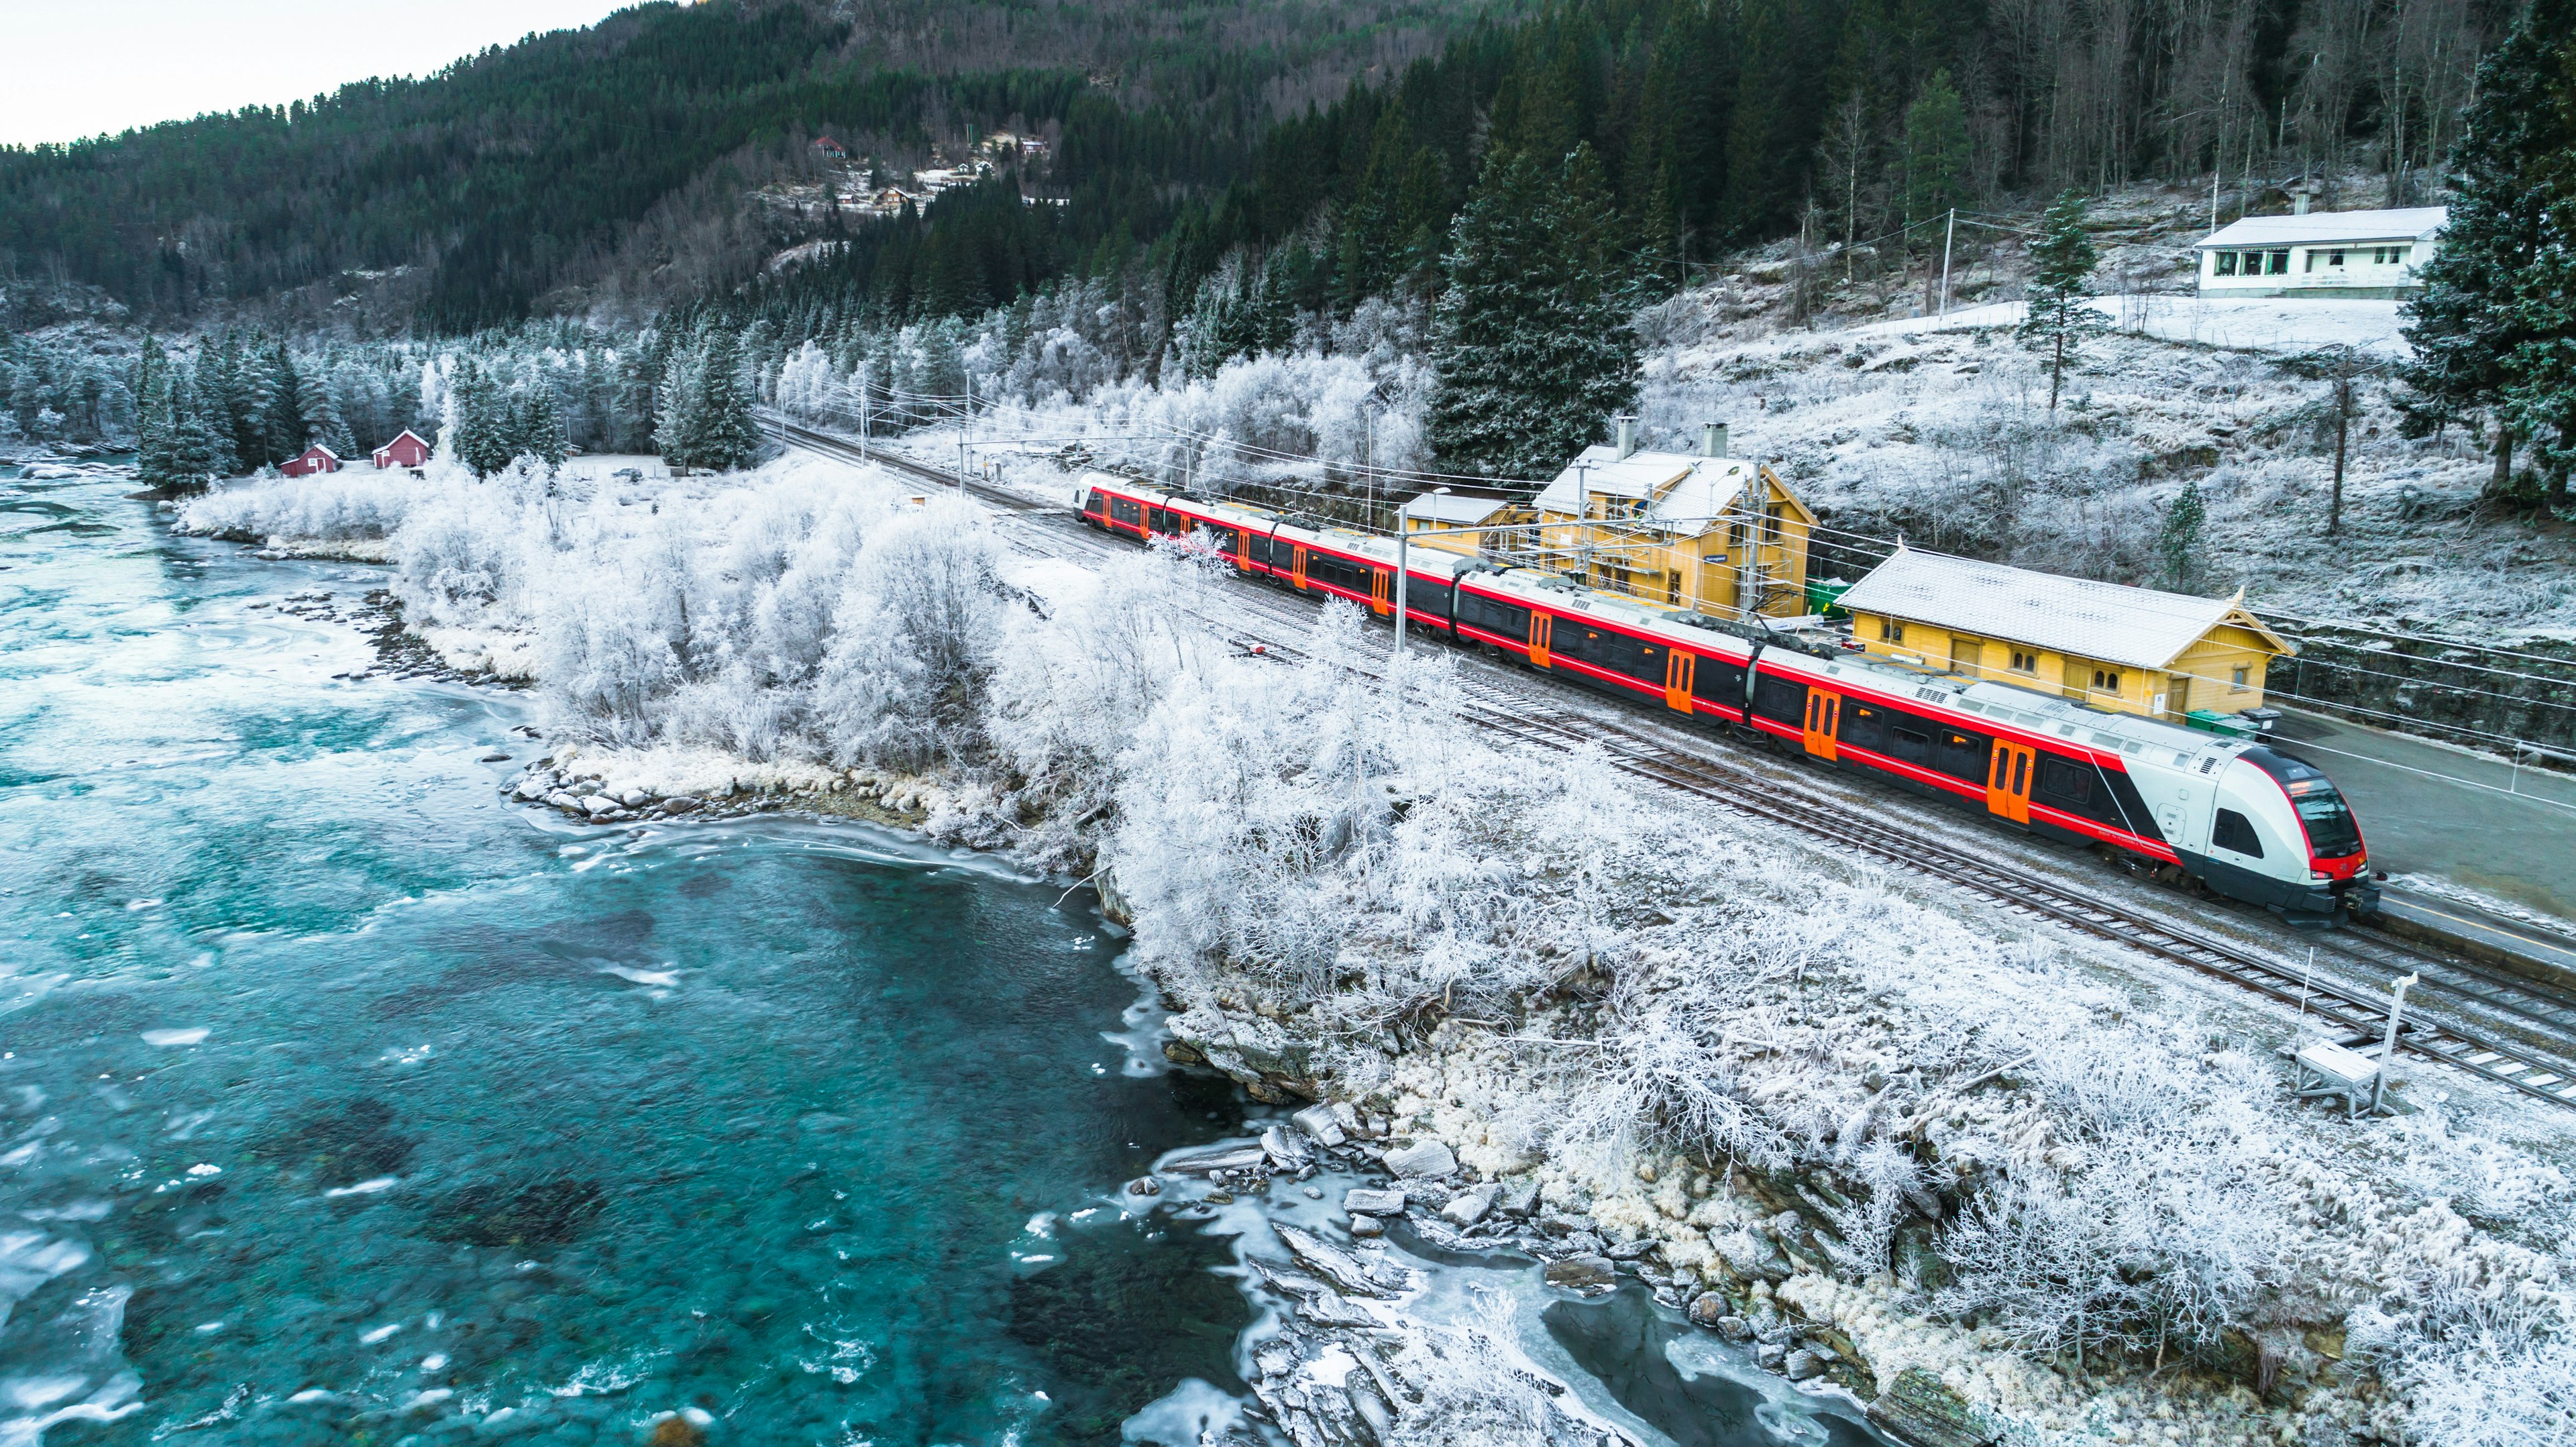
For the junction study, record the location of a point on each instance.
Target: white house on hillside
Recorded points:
(2321, 253)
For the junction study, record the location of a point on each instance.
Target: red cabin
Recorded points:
(316, 458)
(406, 450)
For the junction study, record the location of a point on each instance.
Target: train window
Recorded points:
(1225, 538)
(1494, 616)
(1962, 756)
(1718, 681)
(1125, 510)
(1428, 596)
(2067, 783)
(2234, 831)
(1780, 700)
(1909, 745)
(1154, 520)
(1099, 502)
(1262, 550)
(1864, 727)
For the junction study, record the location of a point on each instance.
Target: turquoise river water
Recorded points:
(334, 1089)
(342, 1101)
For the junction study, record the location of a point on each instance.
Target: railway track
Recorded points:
(2545, 1069)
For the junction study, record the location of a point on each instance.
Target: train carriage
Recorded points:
(2250, 821)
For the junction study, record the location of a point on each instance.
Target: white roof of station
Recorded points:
(2138, 627)
(2415, 223)
(1682, 488)
(1448, 508)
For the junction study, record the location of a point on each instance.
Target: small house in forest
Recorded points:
(316, 458)
(831, 149)
(406, 450)
(1716, 534)
(2127, 650)
(2322, 253)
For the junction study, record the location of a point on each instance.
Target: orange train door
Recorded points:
(1540, 626)
(1378, 595)
(1297, 569)
(1677, 679)
(1243, 549)
(2008, 782)
(1824, 710)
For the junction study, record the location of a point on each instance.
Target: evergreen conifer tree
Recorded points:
(677, 431)
(2178, 541)
(484, 440)
(541, 430)
(203, 449)
(285, 432)
(728, 437)
(2060, 318)
(156, 427)
(1531, 339)
(2493, 311)
(1936, 151)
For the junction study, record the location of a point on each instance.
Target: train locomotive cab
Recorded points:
(2283, 837)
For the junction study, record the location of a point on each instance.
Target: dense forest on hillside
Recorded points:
(522, 178)
(604, 171)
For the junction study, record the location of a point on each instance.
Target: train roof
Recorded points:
(2032, 710)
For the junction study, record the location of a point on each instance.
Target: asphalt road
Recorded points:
(2426, 809)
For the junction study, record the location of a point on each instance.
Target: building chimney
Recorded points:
(1712, 440)
(1627, 436)
(2299, 202)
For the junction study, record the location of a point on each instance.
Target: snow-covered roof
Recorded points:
(2138, 627)
(1450, 509)
(325, 451)
(1681, 489)
(2414, 223)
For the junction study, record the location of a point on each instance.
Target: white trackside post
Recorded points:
(2396, 1010)
(1401, 577)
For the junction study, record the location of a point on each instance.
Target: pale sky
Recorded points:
(74, 68)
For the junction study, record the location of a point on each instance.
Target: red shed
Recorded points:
(406, 450)
(316, 458)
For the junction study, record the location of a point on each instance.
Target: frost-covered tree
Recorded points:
(1531, 338)
(484, 429)
(540, 429)
(157, 463)
(2060, 315)
(2178, 543)
(727, 437)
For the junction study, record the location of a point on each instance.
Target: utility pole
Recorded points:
(1948, 234)
(2343, 430)
(962, 424)
(1403, 576)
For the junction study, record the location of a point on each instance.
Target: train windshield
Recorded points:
(2332, 834)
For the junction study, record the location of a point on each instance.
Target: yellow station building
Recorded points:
(2130, 650)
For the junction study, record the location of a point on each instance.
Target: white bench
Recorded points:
(2327, 1069)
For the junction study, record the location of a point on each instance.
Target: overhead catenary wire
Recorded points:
(1838, 538)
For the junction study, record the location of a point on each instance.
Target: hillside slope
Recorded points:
(486, 190)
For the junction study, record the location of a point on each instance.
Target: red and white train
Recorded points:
(2249, 821)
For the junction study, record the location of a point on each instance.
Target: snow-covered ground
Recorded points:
(2285, 325)
(1848, 1108)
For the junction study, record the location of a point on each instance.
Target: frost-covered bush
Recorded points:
(331, 506)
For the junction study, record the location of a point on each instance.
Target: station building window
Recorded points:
(2024, 662)
(1891, 630)
(2240, 678)
(2105, 681)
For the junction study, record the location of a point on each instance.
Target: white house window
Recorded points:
(2226, 263)
(2335, 258)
